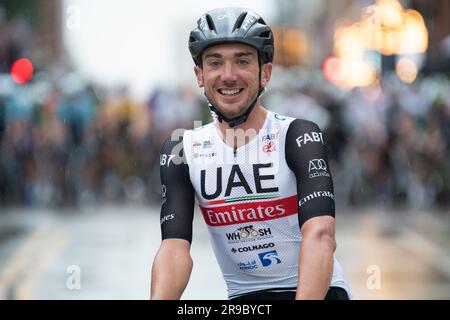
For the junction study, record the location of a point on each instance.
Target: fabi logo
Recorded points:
(271, 136)
(308, 138)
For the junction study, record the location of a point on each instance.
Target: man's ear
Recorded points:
(199, 76)
(266, 73)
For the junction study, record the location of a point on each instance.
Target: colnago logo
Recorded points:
(253, 248)
(314, 195)
(167, 218)
(309, 137)
(249, 212)
(248, 233)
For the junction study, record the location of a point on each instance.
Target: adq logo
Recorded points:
(317, 164)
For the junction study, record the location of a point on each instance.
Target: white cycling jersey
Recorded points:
(254, 200)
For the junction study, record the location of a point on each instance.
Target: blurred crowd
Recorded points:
(65, 142)
(71, 144)
(388, 143)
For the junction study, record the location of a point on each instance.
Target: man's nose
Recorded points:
(228, 72)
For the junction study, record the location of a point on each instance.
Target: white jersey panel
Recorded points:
(248, 198)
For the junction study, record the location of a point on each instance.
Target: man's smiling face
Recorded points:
(230, 77)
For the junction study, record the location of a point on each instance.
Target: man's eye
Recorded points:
(243, 62)
(214, 64)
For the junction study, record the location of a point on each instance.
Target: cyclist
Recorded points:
(261, 179)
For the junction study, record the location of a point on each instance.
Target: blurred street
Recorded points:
(86, 103)
(112, 247)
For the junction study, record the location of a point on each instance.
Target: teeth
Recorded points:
(229, 92)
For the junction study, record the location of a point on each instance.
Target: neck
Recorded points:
(243, 133)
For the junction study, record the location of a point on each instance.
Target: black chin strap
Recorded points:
(233, 122)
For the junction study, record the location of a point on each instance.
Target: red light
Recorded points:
(332, 69)
(22, 71)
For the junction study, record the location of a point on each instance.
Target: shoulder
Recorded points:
(181, 141)
(179, 135)
(302, 125)
(172, 149)
(280, 118)
(195, 136)
(304, 130)
(202, 131)
(293, 124)
(205, 129)
(304, 139)
(171, 141)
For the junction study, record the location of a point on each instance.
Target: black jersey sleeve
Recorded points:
(306, 156)
(177, 209)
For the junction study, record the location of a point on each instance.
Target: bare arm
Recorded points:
(316, 258)
(172, 265)
(307, 158)
(171, 270)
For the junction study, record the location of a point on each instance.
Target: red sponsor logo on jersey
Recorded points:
(249, 212)
(269, 147)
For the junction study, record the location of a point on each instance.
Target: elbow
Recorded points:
(325, 237)
(322, 234)
(328, 242)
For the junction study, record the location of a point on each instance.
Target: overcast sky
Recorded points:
(140, 43)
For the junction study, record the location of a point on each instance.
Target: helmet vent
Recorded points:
(239, 20)
(210, 22)
(265, 34)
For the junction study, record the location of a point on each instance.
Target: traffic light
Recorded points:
(22, 70)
